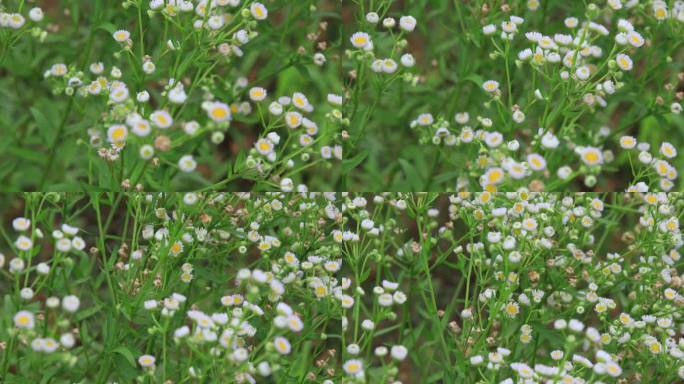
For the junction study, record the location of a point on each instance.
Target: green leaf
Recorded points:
(28, 155)
(350, 164)
(108, 27)
(475, 79)
(412, 175)
(82, 315)
(45, 128)
(48, 374)
(126, 353)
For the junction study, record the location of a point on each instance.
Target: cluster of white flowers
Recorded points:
(25, 321)
(17, 20)
(228, 27)
(589, 69)
(364, 43)
(543, 284)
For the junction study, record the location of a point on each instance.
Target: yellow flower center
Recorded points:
(118, 134)
(264, 146)
(591, 157)
(219, 113)
(495, 176)
(175, 248)
(662, 168)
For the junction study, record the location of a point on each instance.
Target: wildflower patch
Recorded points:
(342, 288)
(367, 95)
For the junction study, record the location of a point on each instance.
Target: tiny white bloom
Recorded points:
(282, 345)
(624, 62)
(71, 303)
(187, 163)
(24, 319)
(360, 40)
(407, 23)
(146, 361)
(258, 11)
(121, 35)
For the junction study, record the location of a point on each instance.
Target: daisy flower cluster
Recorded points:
(343, 287)
(175, 107)
(513, 287)
(519, 137)
(364, 95)
(41, 319)
(264, 310)
(370, 308)
(378, 55)
(430, 191)
(15, 22)
(561, 238)
(365, 50)
(244, 284)
(518, 94)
